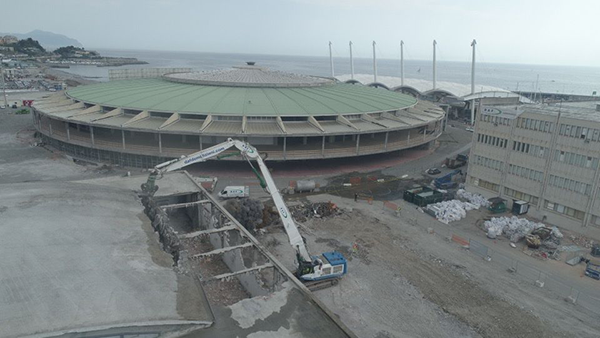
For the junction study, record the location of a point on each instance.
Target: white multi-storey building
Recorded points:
(545, 155)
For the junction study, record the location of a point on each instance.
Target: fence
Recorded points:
(537, 277)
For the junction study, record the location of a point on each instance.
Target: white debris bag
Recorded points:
(513, 227)
(473, 198)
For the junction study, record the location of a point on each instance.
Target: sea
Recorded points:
(524, 77)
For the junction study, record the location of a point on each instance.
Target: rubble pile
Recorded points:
(450, 211)
(248, 211)
(305, 211)
(581, 241)
(473, 198)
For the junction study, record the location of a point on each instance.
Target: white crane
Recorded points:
(313, 269)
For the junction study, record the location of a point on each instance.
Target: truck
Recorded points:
(316, 271)
(234, 192)
(446, 181)
(457, 162)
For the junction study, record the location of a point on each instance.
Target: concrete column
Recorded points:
(78, 129)
(343, 138)
(123, 137)
(160, 143)
(387, 133)
(92, 135)
(284, 147)
(304, 140)
(68, 131)
(200, 141)
(357, 143)
(323, 147)
(50, 126)
(184, 138)
(408, 139)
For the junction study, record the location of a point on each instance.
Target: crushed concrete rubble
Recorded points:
(303, 212)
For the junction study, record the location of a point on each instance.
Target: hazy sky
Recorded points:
(563, 32)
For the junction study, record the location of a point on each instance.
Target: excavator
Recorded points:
(316, 272)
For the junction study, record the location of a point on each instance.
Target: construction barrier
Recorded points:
(461, 241)
(390, 205)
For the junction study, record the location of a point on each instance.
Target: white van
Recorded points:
(234, 191)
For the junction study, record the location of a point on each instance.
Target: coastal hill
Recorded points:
(47, 39)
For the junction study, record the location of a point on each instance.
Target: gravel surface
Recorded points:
(404, 282)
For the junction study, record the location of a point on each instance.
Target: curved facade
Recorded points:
(142, 122)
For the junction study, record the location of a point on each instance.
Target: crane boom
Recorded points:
(250, 153)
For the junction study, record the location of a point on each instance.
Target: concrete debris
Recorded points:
(160, 223)
(248, 211)
(303, 212)
(582, 241)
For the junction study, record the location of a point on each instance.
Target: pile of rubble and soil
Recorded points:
(303, 211)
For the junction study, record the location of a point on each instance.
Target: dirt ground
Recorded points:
(405, 282)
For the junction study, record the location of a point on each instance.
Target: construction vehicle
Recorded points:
(457, 162)
(315, 271)
(446, 182)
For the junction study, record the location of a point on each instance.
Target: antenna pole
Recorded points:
(351, 63)
(434, 77)
(473, 70)
(401, 63)
(331, 60)
(374, 64)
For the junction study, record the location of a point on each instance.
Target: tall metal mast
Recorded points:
(351, 63)
(374, 64)
(434, 76)
(401, 63)
(331, 60)
(473, 69)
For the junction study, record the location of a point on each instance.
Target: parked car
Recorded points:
(433, 171)
(470, 129)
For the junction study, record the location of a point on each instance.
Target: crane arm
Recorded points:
(250, 153)
(199, 156)
(286, 218)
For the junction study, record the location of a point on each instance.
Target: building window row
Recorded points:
(485, 184)
(492, 140)
(521, 196)
(579, 132)
(489, 163)
(531, 149)
(578, 160)
(495, 119)
(561, 209)
(527, 173)
(571, 185)
(533, 124)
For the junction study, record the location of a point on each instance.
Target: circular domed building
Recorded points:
(144, 121)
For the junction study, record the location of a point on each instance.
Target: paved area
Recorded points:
(76, 255)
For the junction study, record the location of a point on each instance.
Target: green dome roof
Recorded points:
(204, 97)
